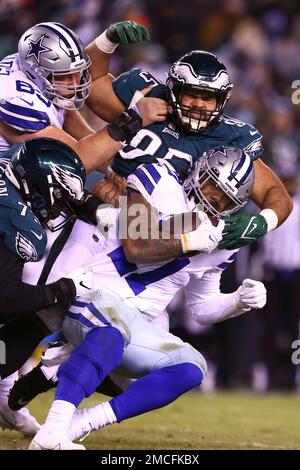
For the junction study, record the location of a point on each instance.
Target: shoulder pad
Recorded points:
(29, 235)
(23, 234)
(136, 79)
(247, 137)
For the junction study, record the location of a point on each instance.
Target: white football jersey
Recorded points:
(23, 105)
(147, 287)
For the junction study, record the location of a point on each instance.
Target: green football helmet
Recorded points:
(49, 175)
(199, 71)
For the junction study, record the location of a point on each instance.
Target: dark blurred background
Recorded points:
(259, 41)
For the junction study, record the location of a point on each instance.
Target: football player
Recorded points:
(135, 279)
(195, 95)
(45, 83)
(42, 88)
(41, 178)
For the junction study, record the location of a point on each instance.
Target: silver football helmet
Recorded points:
(228, 168)
(48, 51)
(199, 71)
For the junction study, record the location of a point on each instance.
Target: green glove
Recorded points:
(242, 229)
(127, 32)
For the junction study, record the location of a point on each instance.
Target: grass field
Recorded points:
(195, 421)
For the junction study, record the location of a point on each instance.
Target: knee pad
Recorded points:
(99, 353)
(190, 355)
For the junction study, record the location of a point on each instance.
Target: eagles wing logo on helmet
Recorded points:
(69, 181)
(25, 248)
(184, 73)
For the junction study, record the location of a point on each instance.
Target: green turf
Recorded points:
(195, 421)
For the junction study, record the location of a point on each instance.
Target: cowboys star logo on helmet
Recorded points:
(50, 50)
(36, 48)
(68, 180)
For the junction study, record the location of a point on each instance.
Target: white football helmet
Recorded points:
(230, 169)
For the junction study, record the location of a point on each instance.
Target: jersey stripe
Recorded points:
(22, 124)
(120, 262)
(153, 172)
(71, 45)
(145, 180)
(24, 111)
(139, 281)
(230, 260)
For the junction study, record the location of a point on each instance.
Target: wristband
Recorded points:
(271, 218)
(125, 126)
(104, 44)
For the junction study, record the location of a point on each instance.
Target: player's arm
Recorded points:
(147, 240)
(270, 193)
(144, 248)
(275, 203)
(208, 305)
(101, 49)
(76, 126)
(111, 188)
(18, 298)
(106, 104)
(102, 100)
(96, 150)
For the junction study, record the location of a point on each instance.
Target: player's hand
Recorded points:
(205, 238)
(110, 189)
(83, 279)
(242, 229)
(127, 32)
(150, 109)
(251, 294)
(153, 110)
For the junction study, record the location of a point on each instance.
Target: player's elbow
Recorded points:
(131, 251)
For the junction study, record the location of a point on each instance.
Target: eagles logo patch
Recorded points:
(25, 248)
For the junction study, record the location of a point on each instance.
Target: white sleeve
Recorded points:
(21, 108)
(159, 187)
(79, 249)
(206, 303)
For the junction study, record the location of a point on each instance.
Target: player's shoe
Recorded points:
(28, 387)
(34, 382)
(80, 426)
(53, 438)
(20, 420)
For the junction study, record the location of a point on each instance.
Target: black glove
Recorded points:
(86, 209)
(62, 291)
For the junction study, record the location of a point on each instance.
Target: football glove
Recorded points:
(251, 294)
(242, 229)
(127, 32)
(205, 238)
